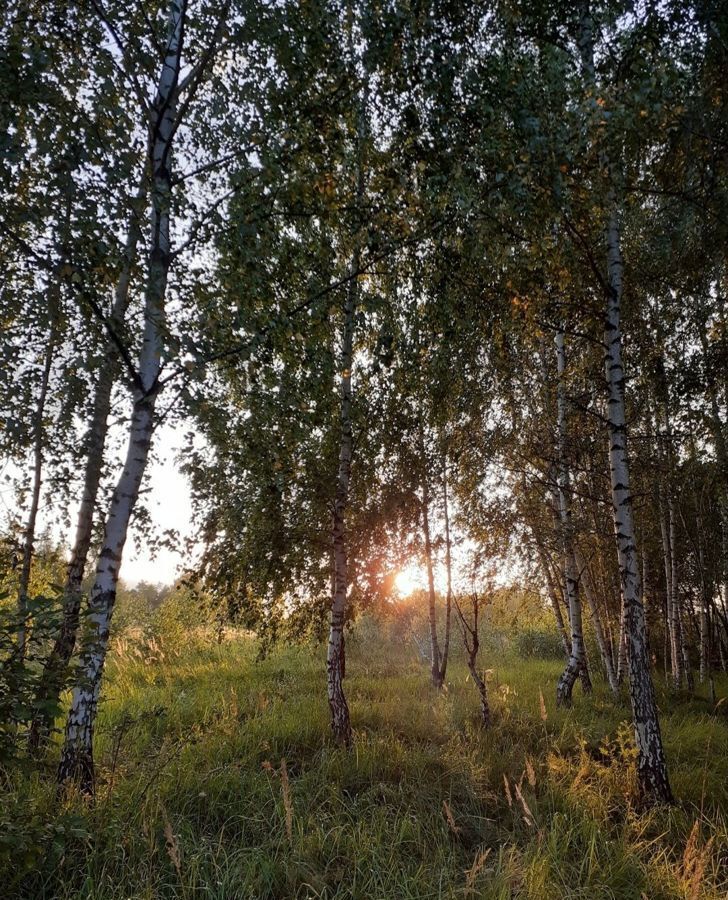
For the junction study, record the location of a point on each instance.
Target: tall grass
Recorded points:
(217, 779)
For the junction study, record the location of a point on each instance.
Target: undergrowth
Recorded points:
(218, 779)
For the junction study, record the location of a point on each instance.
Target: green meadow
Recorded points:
(217, 778)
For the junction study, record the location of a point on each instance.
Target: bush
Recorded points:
(537, 644)
(20, 673)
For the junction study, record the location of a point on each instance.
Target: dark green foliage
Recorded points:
(538, 644)
(19, 677)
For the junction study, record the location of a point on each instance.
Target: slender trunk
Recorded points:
(680, 662)
(706, 591)
(471, 642)
(339, 708)
(29, 536)
(622, 646)
(434, 644)
(724, 532)
(448, 569)
(553, 595)
(724, 590)
(684, 652)
(55, 667)
(607, 662)
(666, 639)
(647, 599)
(610, 633)
(678, 654)
(705, 636)
(77, 754)
(335, 657)
(675, 659)
(651, 766)
(609, 588)
(482, 692)
(671, 645)
(718, 430)
(576, 664)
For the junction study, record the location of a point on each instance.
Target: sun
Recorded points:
(406, 582)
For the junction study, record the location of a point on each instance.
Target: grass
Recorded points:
(195, 799)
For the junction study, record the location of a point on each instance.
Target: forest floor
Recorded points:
(218, 779)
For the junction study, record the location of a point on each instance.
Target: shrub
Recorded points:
(537, 644)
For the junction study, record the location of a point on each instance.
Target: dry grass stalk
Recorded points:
(695, 859)
(449, 818)
(470, 876)
(287, 801)
(530, 772)
(509, 796)
(542, 704)
(527, 814)
(172, 844)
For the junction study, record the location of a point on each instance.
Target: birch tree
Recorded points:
(55, 666)
(577, 657)
(651, 766)
(469, 625)
(165, 113)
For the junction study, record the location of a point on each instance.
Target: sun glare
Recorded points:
(406, 581)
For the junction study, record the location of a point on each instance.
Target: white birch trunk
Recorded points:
(54, 670)
(651, 766)
(706, 591)
(673, 603)
(448, 571)
(724, 588)
(77, 753)
(622, 645)
(335, 660)
(435, 658)
(587, 584)
(553, 596)
(576, 664)
(666, 530)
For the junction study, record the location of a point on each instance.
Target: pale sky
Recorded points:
(169, 504)
(168, 501)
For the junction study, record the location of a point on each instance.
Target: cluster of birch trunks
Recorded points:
(589, 547)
